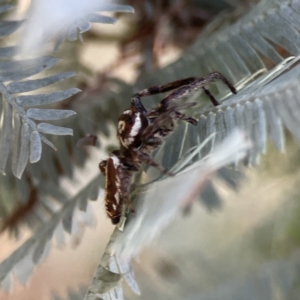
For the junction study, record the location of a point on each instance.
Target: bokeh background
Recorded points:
(245, 247)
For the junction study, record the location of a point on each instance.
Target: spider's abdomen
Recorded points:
(113, 198)
(131, 125)
(117, 184)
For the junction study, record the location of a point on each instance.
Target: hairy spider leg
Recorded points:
(184, 86)
(212, 98)
(196, 85)
(149, 161)
(160, 127)
(159, 89)
(162, 124)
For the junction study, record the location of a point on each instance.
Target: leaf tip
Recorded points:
(77, 90)
(34, 160)
(19, 176)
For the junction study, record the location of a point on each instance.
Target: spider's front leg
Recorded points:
(182, 88)
(159, 89)
(198, 83)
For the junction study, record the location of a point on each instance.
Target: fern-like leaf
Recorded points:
(22, 135)
(76, 21)
(32, 251)
(258, 54)
(20, 103)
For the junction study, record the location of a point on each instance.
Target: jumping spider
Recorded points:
(140, 132)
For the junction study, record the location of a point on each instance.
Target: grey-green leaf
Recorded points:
(83, 26)
(35, 147)
(5, 8)
(16, 141)
(210, 197)
(15, 65)
(67, 220)
(24, 151)
(103, 281)
(41, 249)
(116, 8)
(96, 18)
(72, 33)
(23, 270)
(6, 134)
(47, 142)
(17, 70)
(49, 114)
(52, 129)
(31, 85)
(8, 51)
(8, 27)
(43, 99)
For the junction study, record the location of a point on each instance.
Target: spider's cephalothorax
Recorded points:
(140, 132)
(131, 125)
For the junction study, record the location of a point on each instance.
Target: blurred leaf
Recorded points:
(49, 114)
(42, 99)
(30, 85)
(52, 129)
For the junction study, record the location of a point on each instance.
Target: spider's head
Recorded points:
(131, 125)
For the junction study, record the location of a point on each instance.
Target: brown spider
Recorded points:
(140, 132)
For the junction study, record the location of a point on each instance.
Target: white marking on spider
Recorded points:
(145, 91)
(128, 141)
(117, 197)
(136, 126)
(116, 161)
(118, 183)
(127, 112)
(121, 126)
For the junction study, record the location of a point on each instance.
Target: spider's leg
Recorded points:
(149, 161)
(136, 99)
(163, 124)
(212, 77)
(184, 86)
(152, 141)
(183, 117)
(153, 90)
(136, 102)
(212, 98)
(128, 203)
(198, 83)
